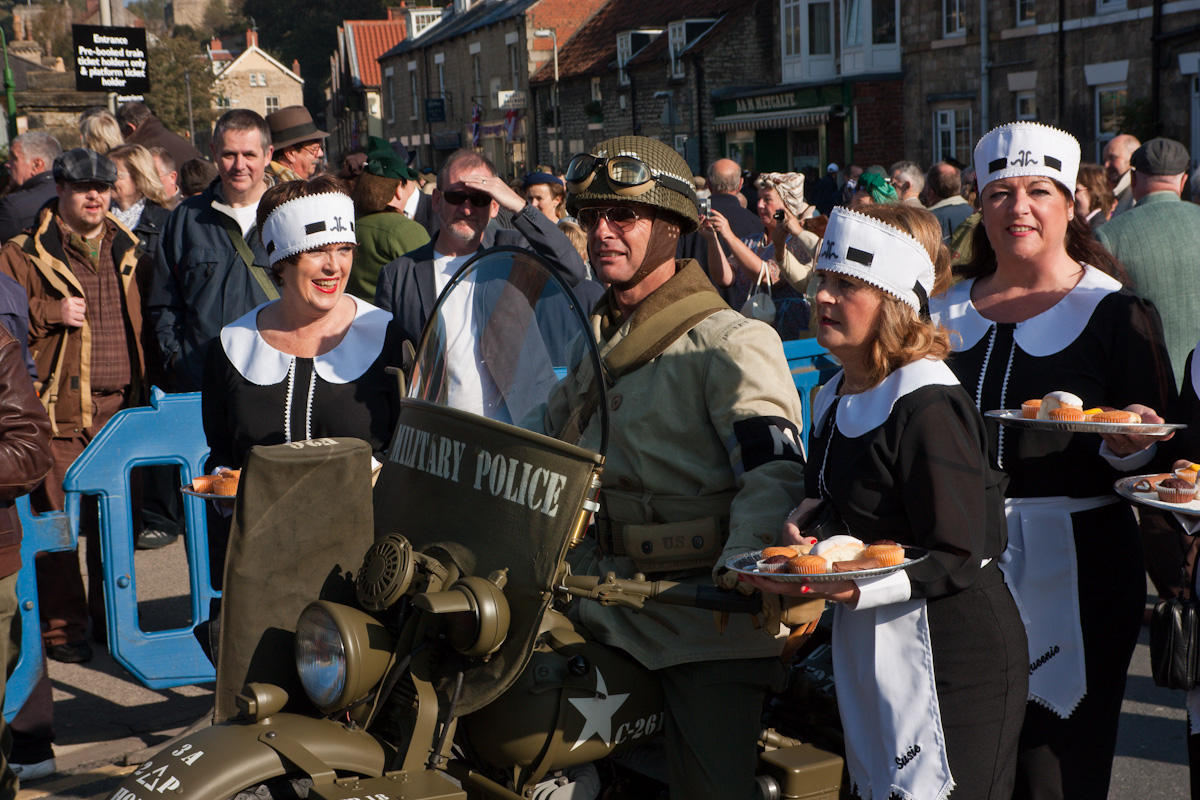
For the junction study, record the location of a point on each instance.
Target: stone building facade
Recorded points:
(463, 82)
(253, 79)
(748, 81)
(1092, 75)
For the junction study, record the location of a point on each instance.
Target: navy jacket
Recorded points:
(406, 286)
(19, 208)
(199, 285)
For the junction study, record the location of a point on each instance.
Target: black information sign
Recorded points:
(110, 59)
(435, 109)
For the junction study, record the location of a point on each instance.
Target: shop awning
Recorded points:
(791, 118)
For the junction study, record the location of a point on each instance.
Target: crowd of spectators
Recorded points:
(137, 260)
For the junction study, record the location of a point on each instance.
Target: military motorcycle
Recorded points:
(445, 665)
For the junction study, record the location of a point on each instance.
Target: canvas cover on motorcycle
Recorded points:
(468, 468)
(301, 525)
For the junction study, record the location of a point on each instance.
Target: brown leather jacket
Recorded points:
(24, 446)
(37, 260)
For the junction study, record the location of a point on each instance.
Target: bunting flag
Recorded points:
(510, 123)
(476, 114)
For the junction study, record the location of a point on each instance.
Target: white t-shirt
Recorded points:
(467, 384)
(245, 217)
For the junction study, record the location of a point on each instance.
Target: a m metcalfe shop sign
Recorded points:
(110, 59)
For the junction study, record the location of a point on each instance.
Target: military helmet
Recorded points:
(628, 170)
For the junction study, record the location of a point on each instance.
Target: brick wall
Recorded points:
(879, 108)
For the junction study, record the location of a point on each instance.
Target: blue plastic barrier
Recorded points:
(811, 366)
(168, 431)
(40, 533)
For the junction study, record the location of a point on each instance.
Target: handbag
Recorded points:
(759, 304)
(1175, 640)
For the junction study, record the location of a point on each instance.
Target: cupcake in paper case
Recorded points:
(888, 555)
(1067, 414)
(1176, 490)
(806, 565)
(1029, 409)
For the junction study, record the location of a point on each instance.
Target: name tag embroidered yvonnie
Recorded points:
(764, 439)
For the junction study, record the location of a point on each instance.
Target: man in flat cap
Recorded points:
(78, 265)
(299, 144)
(1157, 241)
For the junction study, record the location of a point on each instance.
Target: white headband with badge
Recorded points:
(876, 253)
(1027, 148)
(307, 223)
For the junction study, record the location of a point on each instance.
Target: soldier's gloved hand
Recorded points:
(728, 579)
(771, 614)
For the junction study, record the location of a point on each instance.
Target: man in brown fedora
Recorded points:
(299, 144)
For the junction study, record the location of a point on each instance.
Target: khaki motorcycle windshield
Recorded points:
(474, 470)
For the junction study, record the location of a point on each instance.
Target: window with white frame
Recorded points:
(871, 34)
(624, 53)
(952, 134)
(806, 39)
(1110, 107)
(820, 28)
(514, 66)
(416, 100)
(224, 102)
(597, 92)
(1025, 105)
(441, 80)
(852, 23)
(1026, 12)
(676, 42)
(254, 79)
(272, 104)
(954, 18)
(791, 33)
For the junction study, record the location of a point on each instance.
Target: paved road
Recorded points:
(103, 716)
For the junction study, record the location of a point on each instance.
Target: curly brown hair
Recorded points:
(902, 336)
(281, 193)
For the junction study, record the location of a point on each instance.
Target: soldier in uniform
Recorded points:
(704, 458)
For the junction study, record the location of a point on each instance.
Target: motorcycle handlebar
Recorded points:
(634, 592)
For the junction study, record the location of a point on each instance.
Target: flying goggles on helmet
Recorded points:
(627, 175)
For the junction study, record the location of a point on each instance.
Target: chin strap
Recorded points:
(664, 240)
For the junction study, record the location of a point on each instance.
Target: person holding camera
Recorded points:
(757, 286)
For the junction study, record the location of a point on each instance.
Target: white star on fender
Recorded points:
(597, 712)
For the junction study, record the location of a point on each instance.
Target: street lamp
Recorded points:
(542, 33)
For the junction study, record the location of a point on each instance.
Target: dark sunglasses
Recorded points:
(478, 199)
(622, 217)
(627, 175)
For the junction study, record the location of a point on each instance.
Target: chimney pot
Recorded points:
(251, 38)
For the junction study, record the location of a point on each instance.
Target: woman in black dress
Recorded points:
(929, 661)
(1034, 316)
(310, 364)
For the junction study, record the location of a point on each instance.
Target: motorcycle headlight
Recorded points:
(341, 653)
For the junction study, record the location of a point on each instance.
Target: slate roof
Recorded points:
(366, 41)
(593, 48)
(478, 16)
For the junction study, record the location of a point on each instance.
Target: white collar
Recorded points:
(263, 365)
(410, 205)
(1039, 336)
(866, 411)
(1125, 182)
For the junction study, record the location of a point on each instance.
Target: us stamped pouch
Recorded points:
(1174, 639)
(671, 546)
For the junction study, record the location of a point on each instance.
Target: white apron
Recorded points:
(1039, 567)
(883, 670)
